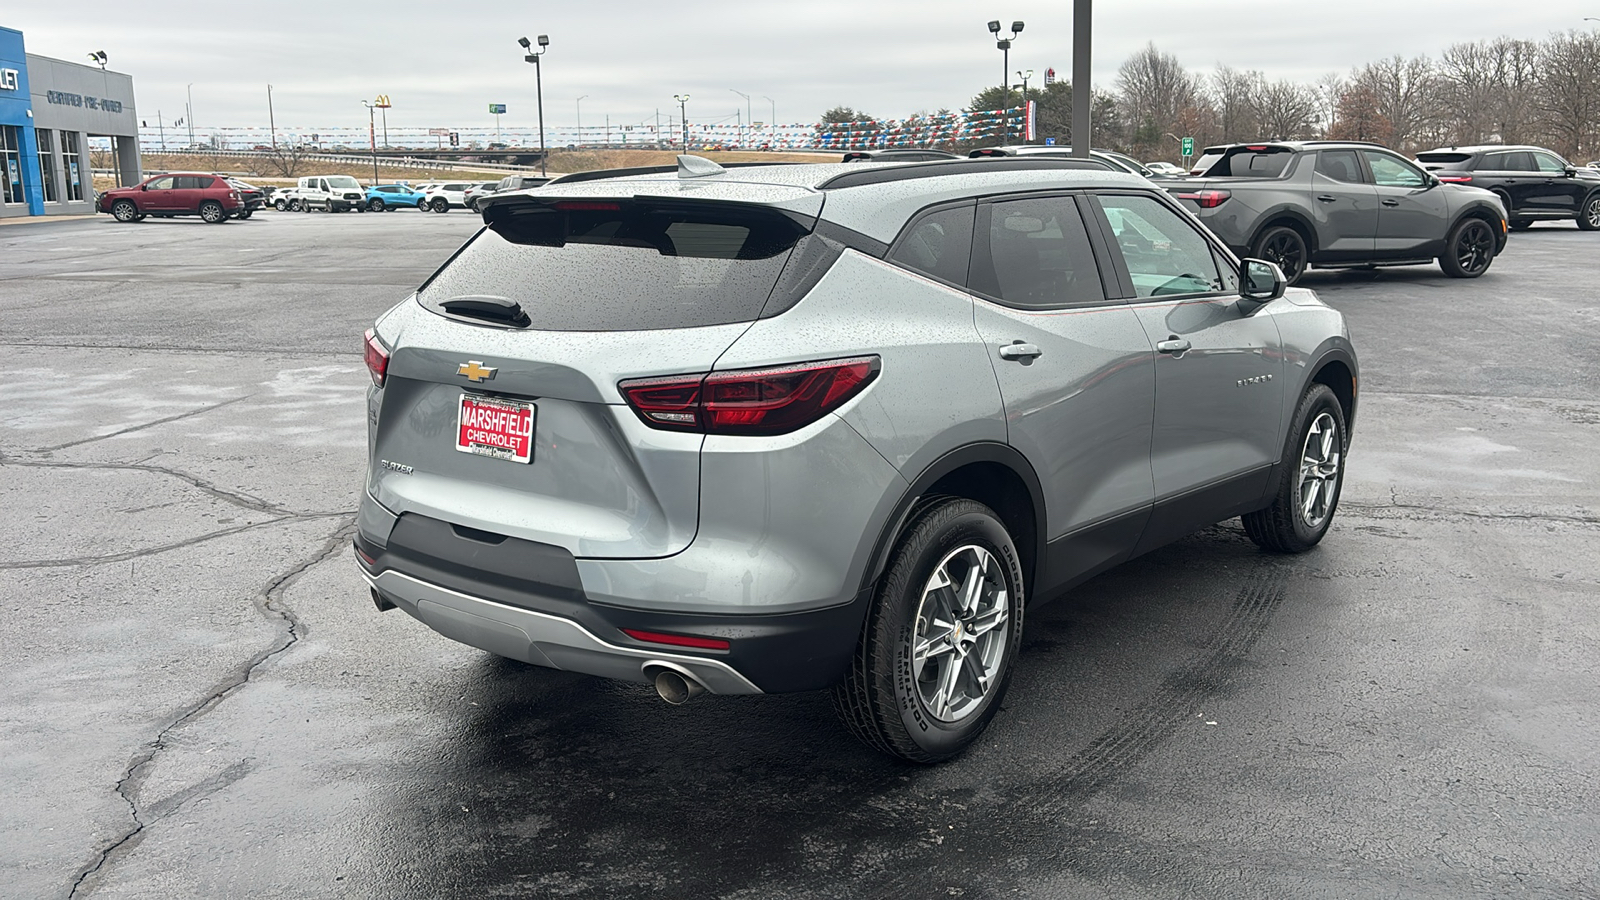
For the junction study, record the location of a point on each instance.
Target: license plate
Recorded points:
(492, 427)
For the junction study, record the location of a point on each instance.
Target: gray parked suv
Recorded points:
(1341, 205)
(831, 426)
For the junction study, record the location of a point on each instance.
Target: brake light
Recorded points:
(749, 401)
(1256, 148)
(376, 357)
(676, 640)
(1207, 199)
(1455, 179)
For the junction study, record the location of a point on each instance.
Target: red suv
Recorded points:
(175, 194)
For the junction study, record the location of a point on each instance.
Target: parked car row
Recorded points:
(214, 198)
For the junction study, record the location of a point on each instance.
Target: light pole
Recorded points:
(748, 118)
(538, 77)
(1003, 44)
(188, 112)
(272, 122)
(1082, 16)
(579, 104)
(683, 116)
(774, 123)
(372, 138)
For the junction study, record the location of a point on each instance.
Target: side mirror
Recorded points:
(1261, 282)
(1572, 171)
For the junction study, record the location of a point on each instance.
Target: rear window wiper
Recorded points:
(489, 308)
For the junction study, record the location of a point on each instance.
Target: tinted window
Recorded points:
(1518, 161)
(1442, 157)
(1036, 254)
(1549, 164)
(1164, 253)
(1340, 165)
(192, 182)
(635, 267)
(938, 245)
(1391, 171)
(1243, 162)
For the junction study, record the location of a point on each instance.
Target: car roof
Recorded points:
(1487, 148)
(872, 198)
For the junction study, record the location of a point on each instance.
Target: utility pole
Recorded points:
(162, 128)
(272, 122)
(683, 113)
(1081, 95)
(579, 104)
(748, 118)
(772, 125)
(188, 112)
(372, 138)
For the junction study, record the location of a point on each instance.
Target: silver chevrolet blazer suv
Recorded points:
(802, 427)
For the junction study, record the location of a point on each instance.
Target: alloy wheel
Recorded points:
(1592, 213)
(1287, 251)
(959, 644)
(1474, 247)
(1320, 460)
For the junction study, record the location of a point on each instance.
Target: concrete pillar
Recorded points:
(128, 170)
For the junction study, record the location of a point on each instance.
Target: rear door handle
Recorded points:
(1020, 351)
(1173, 344)
(1327, 198)
(1391, 202)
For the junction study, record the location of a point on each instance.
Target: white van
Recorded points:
(334, 193)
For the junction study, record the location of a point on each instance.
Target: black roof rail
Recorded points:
(602, 174)
(935, 169)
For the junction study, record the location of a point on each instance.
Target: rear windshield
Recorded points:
(1443, 157)
(1247, 162)
(623, 266)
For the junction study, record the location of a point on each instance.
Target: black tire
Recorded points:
(211, 211)
(279, 205)
(439, 205)
(1469, 250)
(1520, 224)
(1286, 526)
(246, 214)
(375, 204)
(881, 699)
(422, 205)
(1285, 246)
(1589, 213)
(125, 211)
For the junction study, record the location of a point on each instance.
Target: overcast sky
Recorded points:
(442, 63)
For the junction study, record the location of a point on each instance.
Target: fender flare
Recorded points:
(1271, 219)
(905, 508)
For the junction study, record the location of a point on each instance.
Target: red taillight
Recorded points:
(1256, 148)
(376, 357)
(676, 640)
(750, 401)
(1208, 199)
(1455, 179)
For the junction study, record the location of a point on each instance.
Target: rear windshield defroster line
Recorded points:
(623, 265)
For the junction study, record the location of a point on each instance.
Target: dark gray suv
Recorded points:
(831, 426)
(1331, 204)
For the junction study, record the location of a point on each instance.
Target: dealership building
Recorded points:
(49, 110)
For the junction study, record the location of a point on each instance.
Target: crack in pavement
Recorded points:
(164, 548)
(235, 498)
(132, 428)
(1467, 513)
(292, 630)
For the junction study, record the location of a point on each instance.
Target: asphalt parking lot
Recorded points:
(197, 698)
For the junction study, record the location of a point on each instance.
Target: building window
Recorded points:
(11, 162)
(47, 164)
(69, 159)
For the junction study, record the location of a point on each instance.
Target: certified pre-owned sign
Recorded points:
(8, 79)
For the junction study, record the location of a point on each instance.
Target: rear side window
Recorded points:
(1517, 161)
(1035, 254)
(1340, 165)
(1164, 253)
(623, 265)
(1251, 162)
(938, 245)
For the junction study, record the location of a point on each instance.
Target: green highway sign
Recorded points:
(497, 108)
(1188, 146)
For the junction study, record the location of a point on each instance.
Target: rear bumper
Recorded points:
(525, 600)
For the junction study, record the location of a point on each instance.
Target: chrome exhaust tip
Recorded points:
(675, 687)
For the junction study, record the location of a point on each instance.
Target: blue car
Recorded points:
(392, 196)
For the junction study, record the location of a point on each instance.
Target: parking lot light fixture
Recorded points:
(1003, 44)
(532, 56)
(683, 116)
(744, 140)
(579, 104)
(372, 137)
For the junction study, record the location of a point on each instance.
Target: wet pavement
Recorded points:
(197, 698)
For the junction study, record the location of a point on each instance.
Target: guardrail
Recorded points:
(393, 162)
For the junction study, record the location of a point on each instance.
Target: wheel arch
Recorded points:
(1292, 218)
(994, 474)
(1489, 216)
(1335, 365)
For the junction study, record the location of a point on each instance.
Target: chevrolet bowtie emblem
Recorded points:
(476, 371)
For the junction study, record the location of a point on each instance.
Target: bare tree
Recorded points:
(1402, 91)
(1236, 98)
(1154, 87)
(1516, 79)
(1328, 89)
(1569, 92)
(1469, 89)
(1288, 110)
